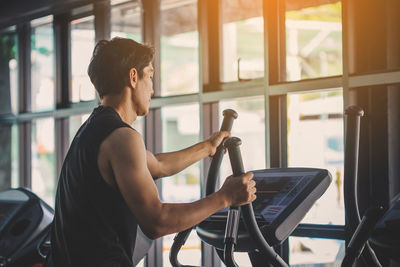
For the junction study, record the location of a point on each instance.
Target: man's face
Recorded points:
(144, 90)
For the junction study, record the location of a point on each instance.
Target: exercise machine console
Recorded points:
(284, 196)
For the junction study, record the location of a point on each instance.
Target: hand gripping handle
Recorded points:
(229, 116)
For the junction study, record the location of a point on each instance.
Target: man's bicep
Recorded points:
(153, 165)
(132, 176)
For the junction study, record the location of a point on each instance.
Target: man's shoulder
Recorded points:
(123, 138)
(124, 134)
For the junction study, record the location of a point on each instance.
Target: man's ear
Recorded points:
(133, 76)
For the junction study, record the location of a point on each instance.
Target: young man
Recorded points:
(106, 186)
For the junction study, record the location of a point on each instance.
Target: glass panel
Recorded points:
(319, 252)
(181, 128)
(126, 20)
(43, 160)
(42, 57)
(243, 38)
(82, 45)
(315, 139)
(8, 73)
(179, 47)
(313, 40)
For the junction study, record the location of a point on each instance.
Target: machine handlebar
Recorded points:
(229, 116)
(233, 146)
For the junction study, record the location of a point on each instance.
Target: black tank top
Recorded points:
(92, 225)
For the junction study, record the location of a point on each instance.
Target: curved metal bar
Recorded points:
(229, 116)
(233, 145)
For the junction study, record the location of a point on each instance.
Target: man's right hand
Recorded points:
(239, 190)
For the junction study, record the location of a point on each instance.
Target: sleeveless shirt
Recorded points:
(92, 225)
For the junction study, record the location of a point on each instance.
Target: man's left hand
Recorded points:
(216, 139)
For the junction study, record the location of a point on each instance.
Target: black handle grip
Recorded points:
(229, 116)
(235, 156)
(232, 224)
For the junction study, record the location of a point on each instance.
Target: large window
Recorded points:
(315, 119)
(315, 139)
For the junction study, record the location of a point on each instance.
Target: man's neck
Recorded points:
(122, 104)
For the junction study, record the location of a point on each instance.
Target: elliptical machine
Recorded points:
(284, 196)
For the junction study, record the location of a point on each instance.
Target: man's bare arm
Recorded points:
(167, 164)
(126, 153)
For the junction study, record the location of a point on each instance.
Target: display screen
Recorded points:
(275, 192)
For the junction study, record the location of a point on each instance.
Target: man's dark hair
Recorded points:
(111, 61)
